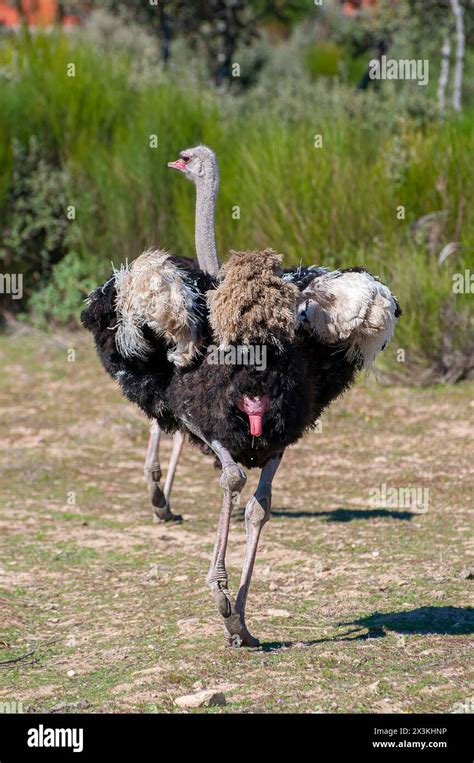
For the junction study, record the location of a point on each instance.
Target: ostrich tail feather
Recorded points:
(129, 337)
(154, 292)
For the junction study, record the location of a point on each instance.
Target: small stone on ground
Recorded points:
(205, 698)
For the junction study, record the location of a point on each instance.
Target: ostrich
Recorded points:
(155, 324)
(205, 175)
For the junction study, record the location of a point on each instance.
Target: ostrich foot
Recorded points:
(159, 498)
(236, 632)
(166, 515)
(244, 638)
(161, 506)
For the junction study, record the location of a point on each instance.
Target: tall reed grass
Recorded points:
(338, 205)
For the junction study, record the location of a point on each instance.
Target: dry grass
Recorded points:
(373, 607)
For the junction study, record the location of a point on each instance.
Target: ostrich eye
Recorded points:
(186, 159)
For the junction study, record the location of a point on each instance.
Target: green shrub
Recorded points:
(59, 300)
(36, 232)
(324, 59)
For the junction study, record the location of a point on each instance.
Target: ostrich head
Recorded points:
(197, 164)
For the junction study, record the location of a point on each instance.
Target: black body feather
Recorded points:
(301, 379)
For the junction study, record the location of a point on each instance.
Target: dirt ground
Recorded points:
(360, 606)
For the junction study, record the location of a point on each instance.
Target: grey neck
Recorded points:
(206, 193)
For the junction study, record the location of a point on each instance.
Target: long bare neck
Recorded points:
(206, 252)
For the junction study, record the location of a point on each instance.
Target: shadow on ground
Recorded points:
(344, 515)
(423, 620)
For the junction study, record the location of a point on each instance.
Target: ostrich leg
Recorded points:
(178, 442)
(232, 481)
(152, 470)
(257, 513)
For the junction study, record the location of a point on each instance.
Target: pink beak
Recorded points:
(254, 407)
(179, 164)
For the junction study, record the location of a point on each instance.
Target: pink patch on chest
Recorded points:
(254, 407)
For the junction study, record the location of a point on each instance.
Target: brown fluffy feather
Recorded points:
(253, 304)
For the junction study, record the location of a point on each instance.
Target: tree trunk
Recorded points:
(165, 35)
(229, 41)
(444, 73)
(60, 13)
(459, 64)
(382, 48)
(21, 11)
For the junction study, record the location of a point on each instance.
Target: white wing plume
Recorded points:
(353, 307)
(152, 291)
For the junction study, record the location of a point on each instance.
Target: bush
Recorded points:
(36, 231)
(324, 59)
(59, 300)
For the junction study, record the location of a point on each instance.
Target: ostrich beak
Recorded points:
(179, 164)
